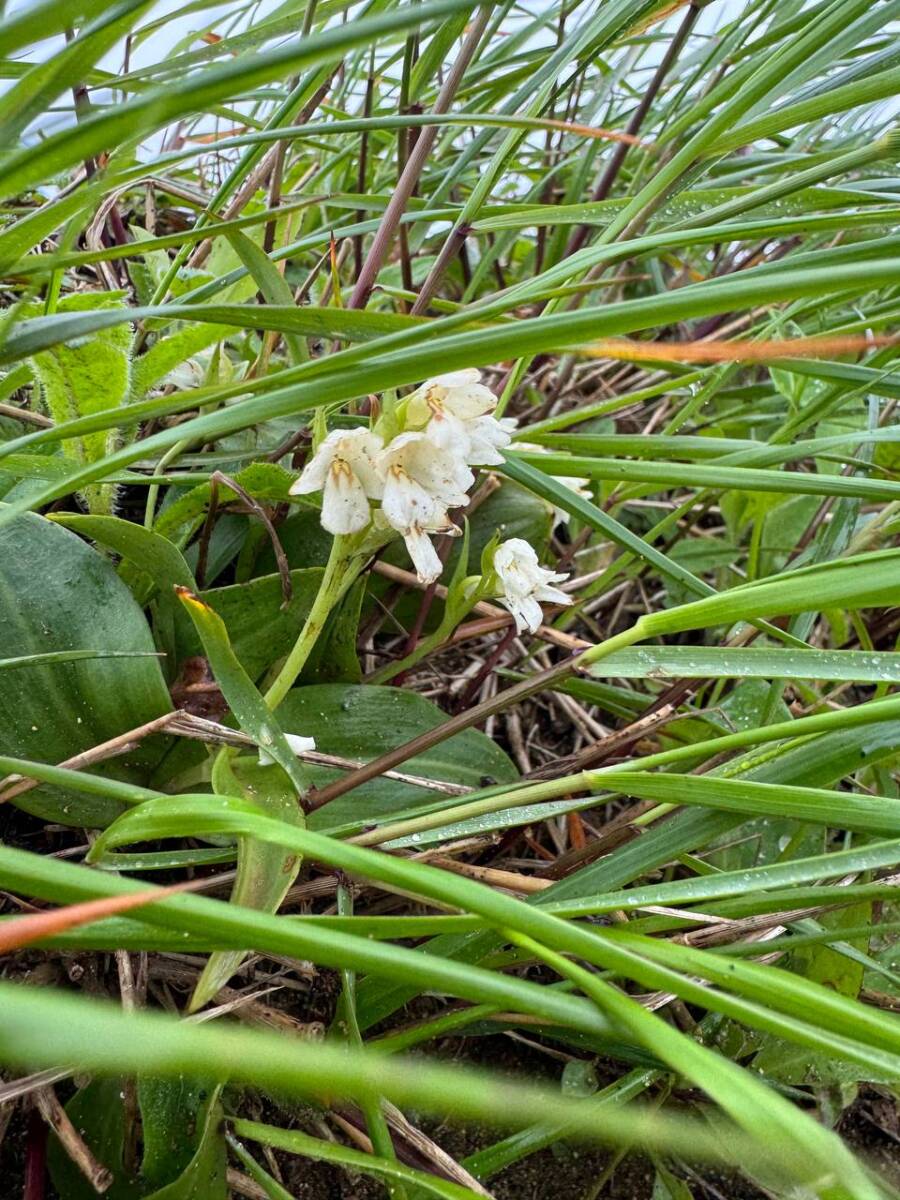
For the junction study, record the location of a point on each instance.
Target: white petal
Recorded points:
(443, 474)
(449, 434)
(406, 503)
(526, 612)
(470, 401)
(486, 438)
(345, 508)
(454, 379)
(312, 477)
(297, 743)
(514, 551)
(531, 613)
(525, 582)
(360, 447)
(395, 452)
(424, 556)
(552, 595)
(357, 447)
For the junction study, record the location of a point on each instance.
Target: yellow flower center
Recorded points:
(340, 468)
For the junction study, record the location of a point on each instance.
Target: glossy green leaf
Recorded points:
(261, 628)
(181, 1145)
(360, 722)
(59, 709)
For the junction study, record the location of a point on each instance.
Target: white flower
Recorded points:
(421, 481)
(487, 437)
(525, 582)
(455, 410)
(296, 742)
(343, 468)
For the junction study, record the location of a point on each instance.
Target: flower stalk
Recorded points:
(344, 564)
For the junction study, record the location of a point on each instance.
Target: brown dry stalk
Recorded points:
(99, 1177)
(124, 743)
(594, 131)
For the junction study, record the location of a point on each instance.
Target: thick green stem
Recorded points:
(342, 568)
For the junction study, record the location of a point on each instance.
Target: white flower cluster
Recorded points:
(420, 474)
(447, 427)
(525, 583)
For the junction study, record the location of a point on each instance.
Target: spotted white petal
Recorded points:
(524, 582)
(441, 474)
(297, 743)
(343, 469)
(406, 503)
(487, 437)
(458, 394)
(312, 477)
(345, 506)
(552, 595)
(454, 379)
(526, 612)
(449, 434)
(471, 401)
(424, 557)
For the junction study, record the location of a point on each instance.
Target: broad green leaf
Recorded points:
(182, 1149)
(334, 658)
(153, 553)
(98, 1113)
(151, 556)
(261, 628)
(206, 1176)
(361, 723)
(59, 595)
